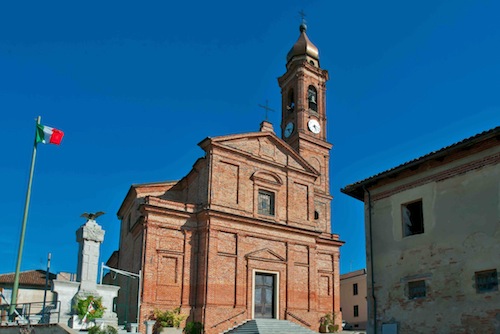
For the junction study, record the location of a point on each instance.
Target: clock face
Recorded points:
(314, 126)
(288, 129)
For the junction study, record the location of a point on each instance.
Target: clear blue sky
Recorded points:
(136, 85)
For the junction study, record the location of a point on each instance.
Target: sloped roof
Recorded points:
(31, 277)
(272, 137)
(356, 189)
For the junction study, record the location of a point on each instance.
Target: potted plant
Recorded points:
(327, 324)
(168, 322)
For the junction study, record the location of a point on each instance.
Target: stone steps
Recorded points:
(268, 326)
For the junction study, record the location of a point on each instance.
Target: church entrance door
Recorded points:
(264, 297)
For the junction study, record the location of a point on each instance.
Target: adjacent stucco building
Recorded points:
(433, 240)
(353, 299)
(246, 234)
(34, 285)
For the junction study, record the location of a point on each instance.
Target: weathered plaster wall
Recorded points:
(462, 236)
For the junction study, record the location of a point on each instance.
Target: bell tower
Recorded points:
(303, 120)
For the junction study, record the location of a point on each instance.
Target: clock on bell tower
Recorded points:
(303, 121)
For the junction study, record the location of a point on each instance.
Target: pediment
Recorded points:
(262, 145)
(265, 254)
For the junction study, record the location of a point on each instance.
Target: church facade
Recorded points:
(246, 234)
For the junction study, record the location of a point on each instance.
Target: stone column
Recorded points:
(89, 236)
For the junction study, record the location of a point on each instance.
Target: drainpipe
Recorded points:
(371, 260)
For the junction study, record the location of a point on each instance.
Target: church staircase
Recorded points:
(268, 326)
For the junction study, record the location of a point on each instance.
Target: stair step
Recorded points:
(268, 326)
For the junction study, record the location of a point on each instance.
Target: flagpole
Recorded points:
(15, 288)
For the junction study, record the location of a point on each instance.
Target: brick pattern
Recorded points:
(202, 240)
(203, 256)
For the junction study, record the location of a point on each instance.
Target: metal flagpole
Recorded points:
(15, 288)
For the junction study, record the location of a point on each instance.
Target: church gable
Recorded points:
(262, 146)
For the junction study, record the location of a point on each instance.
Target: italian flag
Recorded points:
(48, 135)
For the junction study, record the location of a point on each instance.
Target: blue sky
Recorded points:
(136, 85)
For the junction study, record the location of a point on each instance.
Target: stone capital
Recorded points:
(90, 231)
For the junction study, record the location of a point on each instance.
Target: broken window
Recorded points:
(416, 289)
(486, 281)
(266, 203)
(355, 289)
(413, 218)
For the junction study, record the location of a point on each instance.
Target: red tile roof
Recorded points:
(31, 278)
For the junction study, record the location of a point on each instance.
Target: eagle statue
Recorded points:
(92, 216)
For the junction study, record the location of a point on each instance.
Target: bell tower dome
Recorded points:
(303, 120)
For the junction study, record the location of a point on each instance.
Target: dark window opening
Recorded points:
(355, 289)
(312, 98)
(266, 203)
(416, 289)
(291, 101)
(356, 311)
(311, 62)
(413, 218)
(486, 281)
(316, 215)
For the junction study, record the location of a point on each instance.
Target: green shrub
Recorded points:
(193, 327)
(106, 330)
(168, 318)
(327, 323)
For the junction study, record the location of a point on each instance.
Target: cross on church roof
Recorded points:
(302, 16)
(266, 107)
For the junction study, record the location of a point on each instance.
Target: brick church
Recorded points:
(246, 234)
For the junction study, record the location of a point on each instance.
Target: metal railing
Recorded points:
(32, 313)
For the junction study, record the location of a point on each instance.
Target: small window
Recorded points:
(486, 281)
(316, 215)
(266, 203)
(413, 218)
(312, 98)
(416, 289)
(355, 289)
(356, 310)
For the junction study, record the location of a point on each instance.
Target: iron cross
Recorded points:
(266, 107)
(302, 15)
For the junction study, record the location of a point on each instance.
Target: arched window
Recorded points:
(291, 101)
(312, 98)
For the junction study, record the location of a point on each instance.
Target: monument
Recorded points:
(89, 236)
